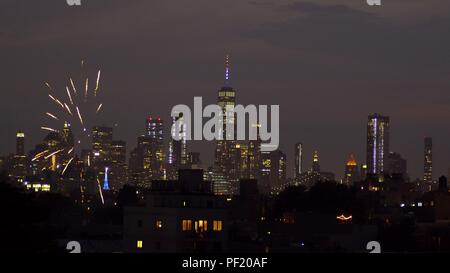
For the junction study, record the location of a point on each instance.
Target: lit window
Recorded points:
(139, 244)
(217, 225)
(158, 224)
(186, 225)
(201, 225)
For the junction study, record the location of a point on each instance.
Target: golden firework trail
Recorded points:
(68, 109)
(67, 165)
(73, 87)
(49, 87)
(99, 107)
(86, 87)
(97, 84)
(54, 153)
(51, 115)
(49, 129)
(39, 155)
(56, 100)
(79, 116)
(71, 150)
(68, 94)
(100, 191)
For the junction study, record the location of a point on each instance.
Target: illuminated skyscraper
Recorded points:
(225, 154)
(20, 143)
(298, 159)
(377, 144)
(177, 155)
(351, 173)
(67, 142)
(254, 159)
(242, 160)
(273, 172)
(67, 136)
(315, 164)
(19, 170)
(102, 138)
(155, 132)
(118, 152)
(428, 161)
(118, 172)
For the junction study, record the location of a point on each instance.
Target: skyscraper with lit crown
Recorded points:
(225, 153)
(351, 174)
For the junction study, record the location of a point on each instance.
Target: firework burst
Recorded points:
(78, 111)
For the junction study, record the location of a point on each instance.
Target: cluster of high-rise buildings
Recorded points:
(158, 156)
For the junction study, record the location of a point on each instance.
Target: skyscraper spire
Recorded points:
(227, 69)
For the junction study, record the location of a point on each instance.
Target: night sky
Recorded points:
(328, 64)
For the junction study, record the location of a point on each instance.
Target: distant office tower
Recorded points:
(248, 158)
(155, 131)
(225, 153)
(396, 164)
(52, 142)
(273, 172)
(377, 144)
(67, 142)
(19, 165)
(102, 138)
(298, 159)
(254, 158)
(242, 160)
(20, 143)
(315, 164)
(67, 136)
(118, 152)
(177, 151)
(351, 174)
(428, 161)
(363, 171)
(118, 172)
(219, 183)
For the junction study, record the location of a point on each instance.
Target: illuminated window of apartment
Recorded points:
(139, 244)
(158, 224)
(217, 225)
(201, 226)
(186, 225)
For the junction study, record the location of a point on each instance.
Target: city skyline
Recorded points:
(207, 127)
(153, 82)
